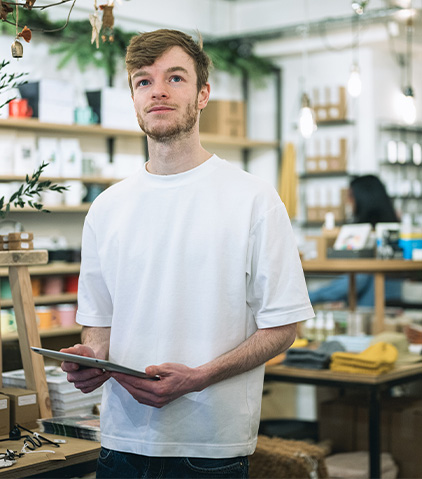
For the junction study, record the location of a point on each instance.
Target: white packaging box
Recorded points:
(52, 100)
(25, 155)
(114, 106)
(70, 158)
(49, 152)
(7, 155)
(125, 165)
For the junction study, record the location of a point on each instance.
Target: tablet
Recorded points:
(91, 362)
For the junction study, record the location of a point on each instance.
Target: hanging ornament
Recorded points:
(17, 49)
(26, 34)
(107, 32)
(96, 24)
(5, 9)
(29, 4)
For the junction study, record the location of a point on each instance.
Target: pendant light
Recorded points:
(354, 84)
(307, 123)
(408, 108)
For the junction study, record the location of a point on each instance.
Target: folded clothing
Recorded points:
(377, 359)
(312, 359)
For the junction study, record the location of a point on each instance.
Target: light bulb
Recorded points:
(408, 108)
(307, 124)
(354, 84)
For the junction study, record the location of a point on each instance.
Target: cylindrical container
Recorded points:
(67, 315)
(5, 291)
(71, 283)
(45, 317)
(53, 285)
(36, 284)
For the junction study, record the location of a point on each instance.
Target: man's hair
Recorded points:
(147, 47)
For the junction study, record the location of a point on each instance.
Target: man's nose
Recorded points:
(159, 90)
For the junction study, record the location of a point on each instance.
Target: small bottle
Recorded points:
(309, 332)
(330, 326)
(320, 327)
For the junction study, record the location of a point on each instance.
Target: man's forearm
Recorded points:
(98, 339)
(263, 345)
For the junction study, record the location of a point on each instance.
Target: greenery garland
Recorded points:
(235, 57)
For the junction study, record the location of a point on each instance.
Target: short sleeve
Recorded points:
(95, 306)
(276, 287)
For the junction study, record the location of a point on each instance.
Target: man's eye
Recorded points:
(143, 82)
(176, 78)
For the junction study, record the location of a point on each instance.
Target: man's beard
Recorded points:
(168, 133)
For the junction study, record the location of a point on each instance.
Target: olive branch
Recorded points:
(30, 193)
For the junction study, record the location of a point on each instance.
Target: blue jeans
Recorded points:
(114, 464)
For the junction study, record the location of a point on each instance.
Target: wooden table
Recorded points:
(78, 454)
(378, 267)
(374, 385)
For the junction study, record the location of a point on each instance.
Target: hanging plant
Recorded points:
(233, 56)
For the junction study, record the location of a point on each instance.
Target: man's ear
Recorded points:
(204, 96)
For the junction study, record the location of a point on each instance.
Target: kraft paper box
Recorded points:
(224, 117)
(4, 415)
(24, 408)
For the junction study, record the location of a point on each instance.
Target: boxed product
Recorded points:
(24, 408)
(52, 101)
(4, 415)
(328, 156)
(114, 108)
(330, 103)
(223, 117)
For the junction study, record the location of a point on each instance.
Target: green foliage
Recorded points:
(30, 193)
(233, 56)
(9, 81)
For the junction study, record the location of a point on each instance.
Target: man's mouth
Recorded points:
(160, 109)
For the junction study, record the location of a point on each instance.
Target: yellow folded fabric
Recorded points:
(298, 343)
(374, 356)
(359, 370)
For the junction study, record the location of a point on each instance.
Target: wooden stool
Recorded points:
(23, 303)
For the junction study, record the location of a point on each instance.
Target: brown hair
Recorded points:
(145, 48)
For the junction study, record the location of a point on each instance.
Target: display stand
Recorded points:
(23, 303)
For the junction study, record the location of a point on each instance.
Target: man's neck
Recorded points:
(170, 158)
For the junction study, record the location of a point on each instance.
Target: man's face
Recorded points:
(166, 98)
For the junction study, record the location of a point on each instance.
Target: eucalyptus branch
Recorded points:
(30, 193)
(9, 81)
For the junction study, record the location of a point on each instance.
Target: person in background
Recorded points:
(369, 203)
(189, 272)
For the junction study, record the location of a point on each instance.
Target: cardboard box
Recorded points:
(330, 104)
(24, 408)
(329, 162)
(221, 117)
(4, 415)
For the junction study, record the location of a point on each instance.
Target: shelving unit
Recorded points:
(312, 216)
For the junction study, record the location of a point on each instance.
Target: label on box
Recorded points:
(27, 400)
(3, 404)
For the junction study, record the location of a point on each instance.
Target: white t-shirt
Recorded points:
(184, 268)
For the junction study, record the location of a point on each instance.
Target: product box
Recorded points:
(52, 101)
(327, 158)
(330, 103)
(223, 117)
(24, 408)
(4, 415)
(114, 108)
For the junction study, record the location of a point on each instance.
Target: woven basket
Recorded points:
(277, 458)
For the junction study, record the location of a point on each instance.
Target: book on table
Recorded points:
(82, 427)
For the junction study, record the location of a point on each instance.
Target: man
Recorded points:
(189, 272)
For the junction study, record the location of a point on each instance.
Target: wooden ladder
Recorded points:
(23, 303)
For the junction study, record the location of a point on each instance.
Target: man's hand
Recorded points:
(176, 380)
(85, 379)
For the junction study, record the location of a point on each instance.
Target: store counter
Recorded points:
(378, 267)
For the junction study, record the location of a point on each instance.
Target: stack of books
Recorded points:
(82, 427)
(66, 400)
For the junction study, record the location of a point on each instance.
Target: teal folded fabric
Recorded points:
(312, 359)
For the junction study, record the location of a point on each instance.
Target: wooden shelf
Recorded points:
(97, 130)
(323, 174)
(46, 333)
(45, 299)
(82, 208)
(60, 179)
(49, 269)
